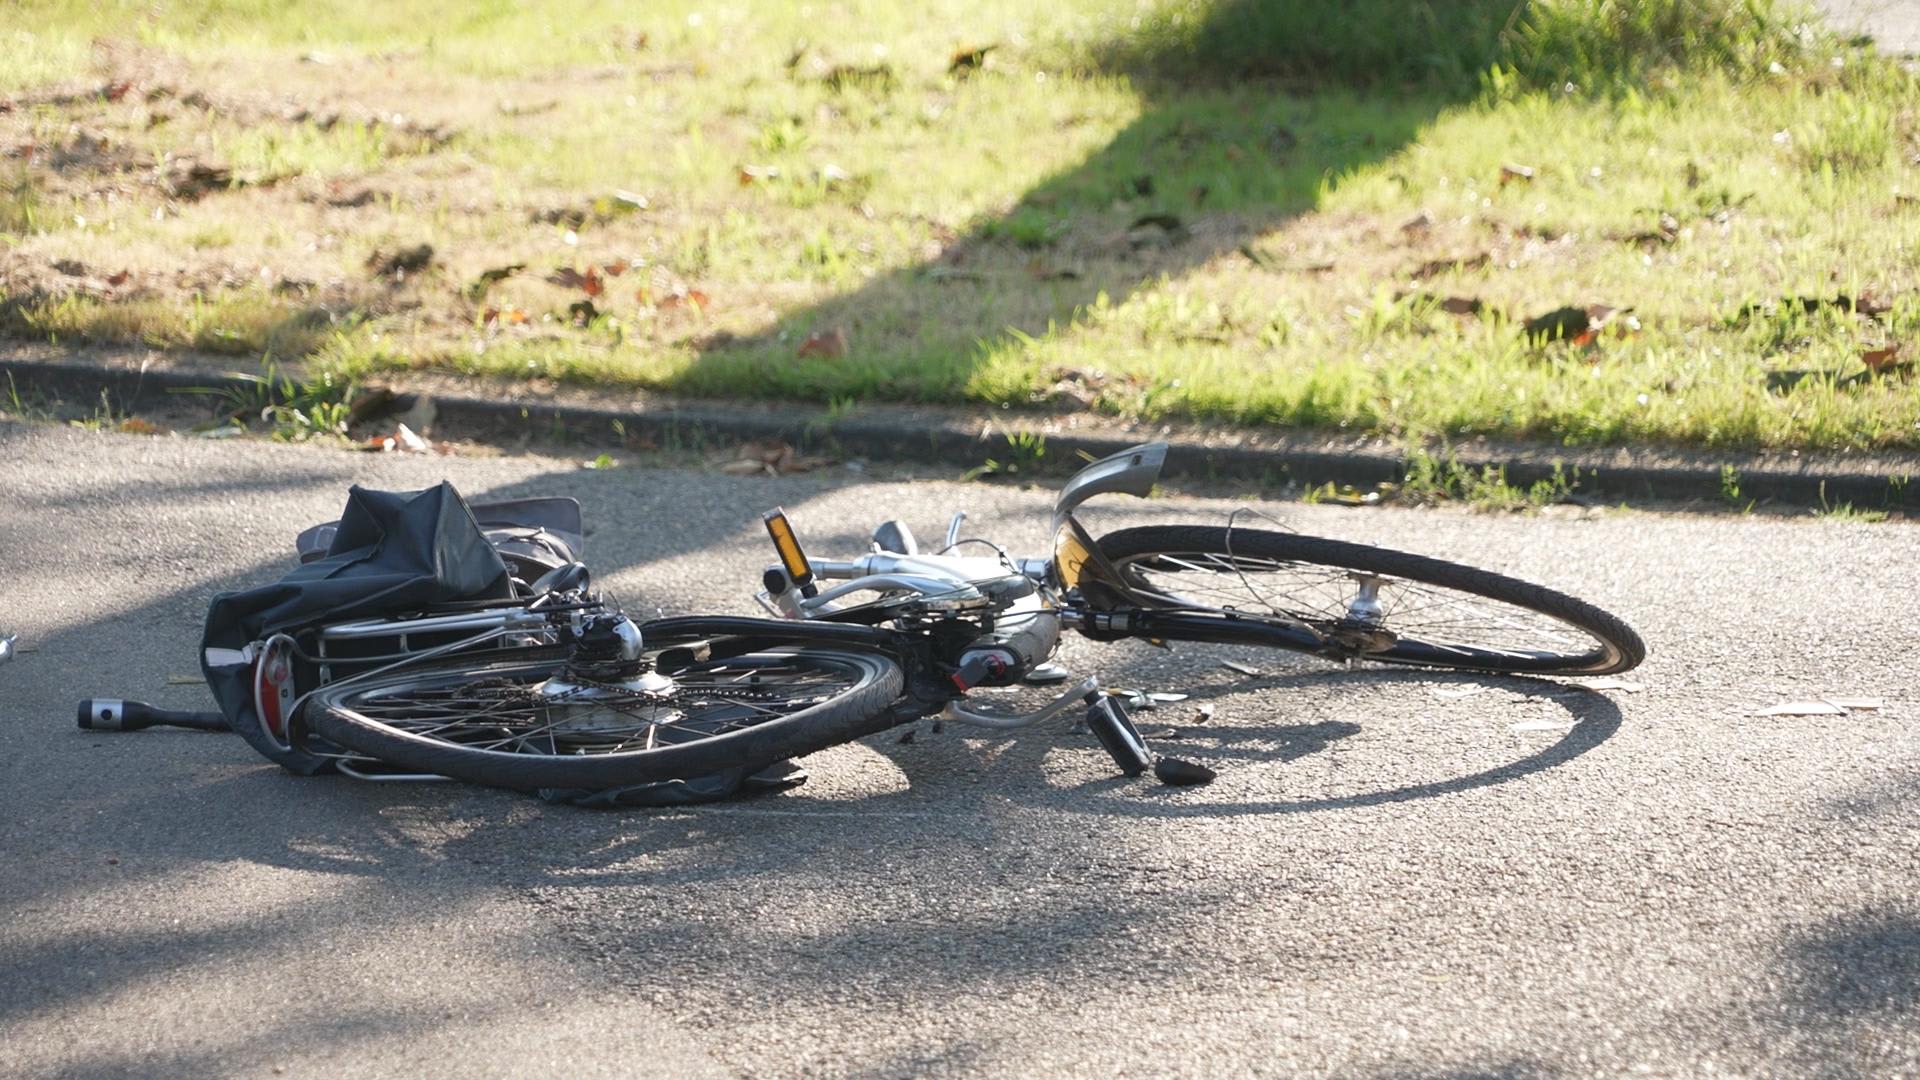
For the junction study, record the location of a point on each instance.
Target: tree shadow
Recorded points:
(1208, 168)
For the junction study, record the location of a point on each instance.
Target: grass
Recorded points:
(1316, 215)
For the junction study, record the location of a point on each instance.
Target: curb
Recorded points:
(967, 438)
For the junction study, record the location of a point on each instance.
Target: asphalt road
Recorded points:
(1397, 874)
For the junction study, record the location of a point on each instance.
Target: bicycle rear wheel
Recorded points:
(528, 722)
(1371, 603)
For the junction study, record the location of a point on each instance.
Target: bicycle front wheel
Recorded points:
(528, 722)
(1371, 603)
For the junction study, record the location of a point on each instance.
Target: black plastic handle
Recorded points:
(113, 714)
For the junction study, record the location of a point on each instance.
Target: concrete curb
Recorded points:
(967, 438)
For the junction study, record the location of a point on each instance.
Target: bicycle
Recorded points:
(560, 690)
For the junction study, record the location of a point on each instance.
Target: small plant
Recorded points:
(1846, 511)
(1730, 492)
(1025, 450)
(293, 409)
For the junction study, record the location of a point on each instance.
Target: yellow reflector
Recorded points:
(788, 546)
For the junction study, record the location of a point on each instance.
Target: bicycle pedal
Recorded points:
(1116, 732)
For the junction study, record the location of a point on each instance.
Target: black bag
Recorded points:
(390, 553)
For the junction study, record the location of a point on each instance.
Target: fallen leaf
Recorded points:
(115, 91)
(134, 425)
(1203, 714)
(1802, 708)
(402, 262)
(965, 61)
(374, 401)
(1510, 173)
(752, 174)
(616, 267)
(119, 279)
(1243, 669)
(500, 273)
(568, 278)
(1462, 305)
(828, 344)
(582, 312)
(184, 680)
(1885, 360)
(691, 297)
(1418, 223)
(1436, 267)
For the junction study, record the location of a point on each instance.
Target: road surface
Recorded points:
(1397, 874)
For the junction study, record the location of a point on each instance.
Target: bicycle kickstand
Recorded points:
(1117, 733)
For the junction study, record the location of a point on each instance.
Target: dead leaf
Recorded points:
(1436, 267)
(568, 278)
(403, 262)
(1462, 305)
(1510, 173)
(1418, 223)
(1248, 670)
(372, 402)
(828, 344)
(752, 174)
(184, 680)
(1885, 361)
(133, 425)
(190, 179)
(965, 61)
(500, 273)
(119, 279)
(582, 312)
(115, 91)
(616, 267)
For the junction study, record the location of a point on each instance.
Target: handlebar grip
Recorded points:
(113, 714)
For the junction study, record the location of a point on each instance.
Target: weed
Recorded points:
(1846, 511)
(294, 409)
(1025, 452)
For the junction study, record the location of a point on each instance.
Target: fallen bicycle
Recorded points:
(422, 638)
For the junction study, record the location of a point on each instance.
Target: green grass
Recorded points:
(1198, 217)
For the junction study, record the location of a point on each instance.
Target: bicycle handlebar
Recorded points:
(113, 714)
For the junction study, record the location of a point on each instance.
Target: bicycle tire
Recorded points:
(376, 717)
(1236, 554)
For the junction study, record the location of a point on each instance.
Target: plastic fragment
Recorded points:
(1802, 708)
